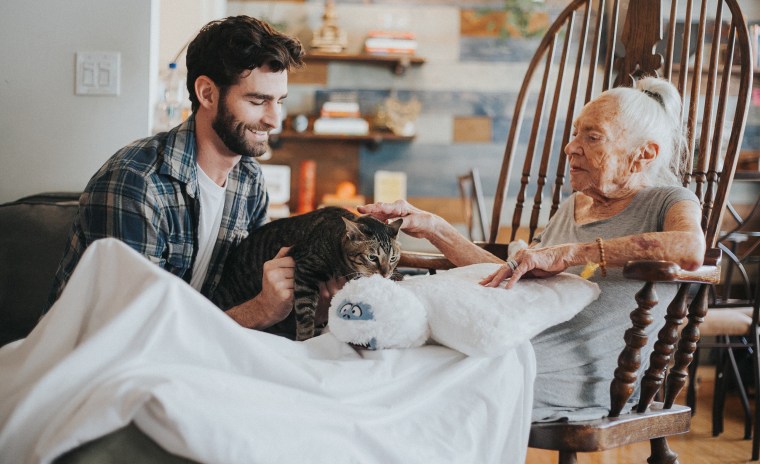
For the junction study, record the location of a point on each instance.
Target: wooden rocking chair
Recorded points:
(592, 46)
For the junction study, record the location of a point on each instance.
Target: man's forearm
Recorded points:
(252, 314)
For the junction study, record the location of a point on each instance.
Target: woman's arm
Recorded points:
(423, 224)
(681, 242)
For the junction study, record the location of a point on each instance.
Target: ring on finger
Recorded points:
(512, 264)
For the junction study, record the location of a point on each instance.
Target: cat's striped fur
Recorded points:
(326, 243)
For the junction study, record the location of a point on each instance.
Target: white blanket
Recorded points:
(128, 341)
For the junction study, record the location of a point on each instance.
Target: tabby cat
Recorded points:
(328, 242)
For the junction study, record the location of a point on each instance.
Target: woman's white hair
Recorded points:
(652, 109)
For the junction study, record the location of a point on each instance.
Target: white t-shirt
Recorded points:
(212, 208)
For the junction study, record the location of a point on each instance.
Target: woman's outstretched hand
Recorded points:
(530, 262)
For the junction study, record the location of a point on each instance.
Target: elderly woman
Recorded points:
(628, 204)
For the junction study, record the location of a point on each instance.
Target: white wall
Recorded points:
(751, 9)
(50, 138)
(180, 21)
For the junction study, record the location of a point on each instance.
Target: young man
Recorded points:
(185, 197)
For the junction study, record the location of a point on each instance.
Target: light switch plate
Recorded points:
(98, 73)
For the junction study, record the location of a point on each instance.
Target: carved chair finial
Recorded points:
(639, 39)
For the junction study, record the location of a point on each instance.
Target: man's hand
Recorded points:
(277, 285)
(275, 301)
(326, 291)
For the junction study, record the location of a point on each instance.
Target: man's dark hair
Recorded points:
(223, 49)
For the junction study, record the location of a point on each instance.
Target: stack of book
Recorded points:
(390, 43)
(339, 109)
(340, 118)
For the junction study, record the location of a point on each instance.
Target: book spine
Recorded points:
(391, 43)
(307, 183)
(347, 126)
(391, 34)
(390, 51)
(339, 114)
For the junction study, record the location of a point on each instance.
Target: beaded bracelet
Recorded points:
(590, 268)
(602, 260)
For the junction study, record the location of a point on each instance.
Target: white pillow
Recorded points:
(453, 309)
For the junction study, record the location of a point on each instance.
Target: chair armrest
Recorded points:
(666, 271)
(420, 260)
(648, 271)
(436, 261)
(500, 250)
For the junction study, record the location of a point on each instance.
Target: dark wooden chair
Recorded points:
(592, 46)
(732, 324)
(473, 204)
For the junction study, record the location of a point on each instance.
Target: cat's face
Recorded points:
(371, 246)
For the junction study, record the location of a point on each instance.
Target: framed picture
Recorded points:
(277, 179)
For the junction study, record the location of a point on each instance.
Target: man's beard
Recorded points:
(233, 133)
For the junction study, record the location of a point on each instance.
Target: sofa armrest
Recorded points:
(33, 235)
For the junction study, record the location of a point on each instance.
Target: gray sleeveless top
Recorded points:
(576, 359)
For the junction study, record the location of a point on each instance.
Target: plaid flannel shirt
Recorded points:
(147, 196)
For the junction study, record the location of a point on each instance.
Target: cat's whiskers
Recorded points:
(353, 275)
(358, 274)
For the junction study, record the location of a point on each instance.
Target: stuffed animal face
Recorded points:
(358, 312)
(353, 317)
(355, 311)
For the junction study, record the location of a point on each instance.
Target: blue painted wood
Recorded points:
(751, 139)
(495, 49)
(432, 170)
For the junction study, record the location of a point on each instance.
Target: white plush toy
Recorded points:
(453, 309)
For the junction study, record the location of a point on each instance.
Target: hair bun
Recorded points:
(664, 127)
(664, 93)
(656, 96)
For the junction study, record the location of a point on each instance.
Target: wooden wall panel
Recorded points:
(310, 73)
(472, 129)
(336, 162)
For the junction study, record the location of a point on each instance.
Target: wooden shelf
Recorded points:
(374, 135)
(748, 167)
(398, 63)
(705, 70)
(747, 175)
(373, 139)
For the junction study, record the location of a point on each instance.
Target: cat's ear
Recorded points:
(395, 226)
(352, 230)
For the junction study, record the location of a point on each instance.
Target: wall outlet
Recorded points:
(98, 73)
